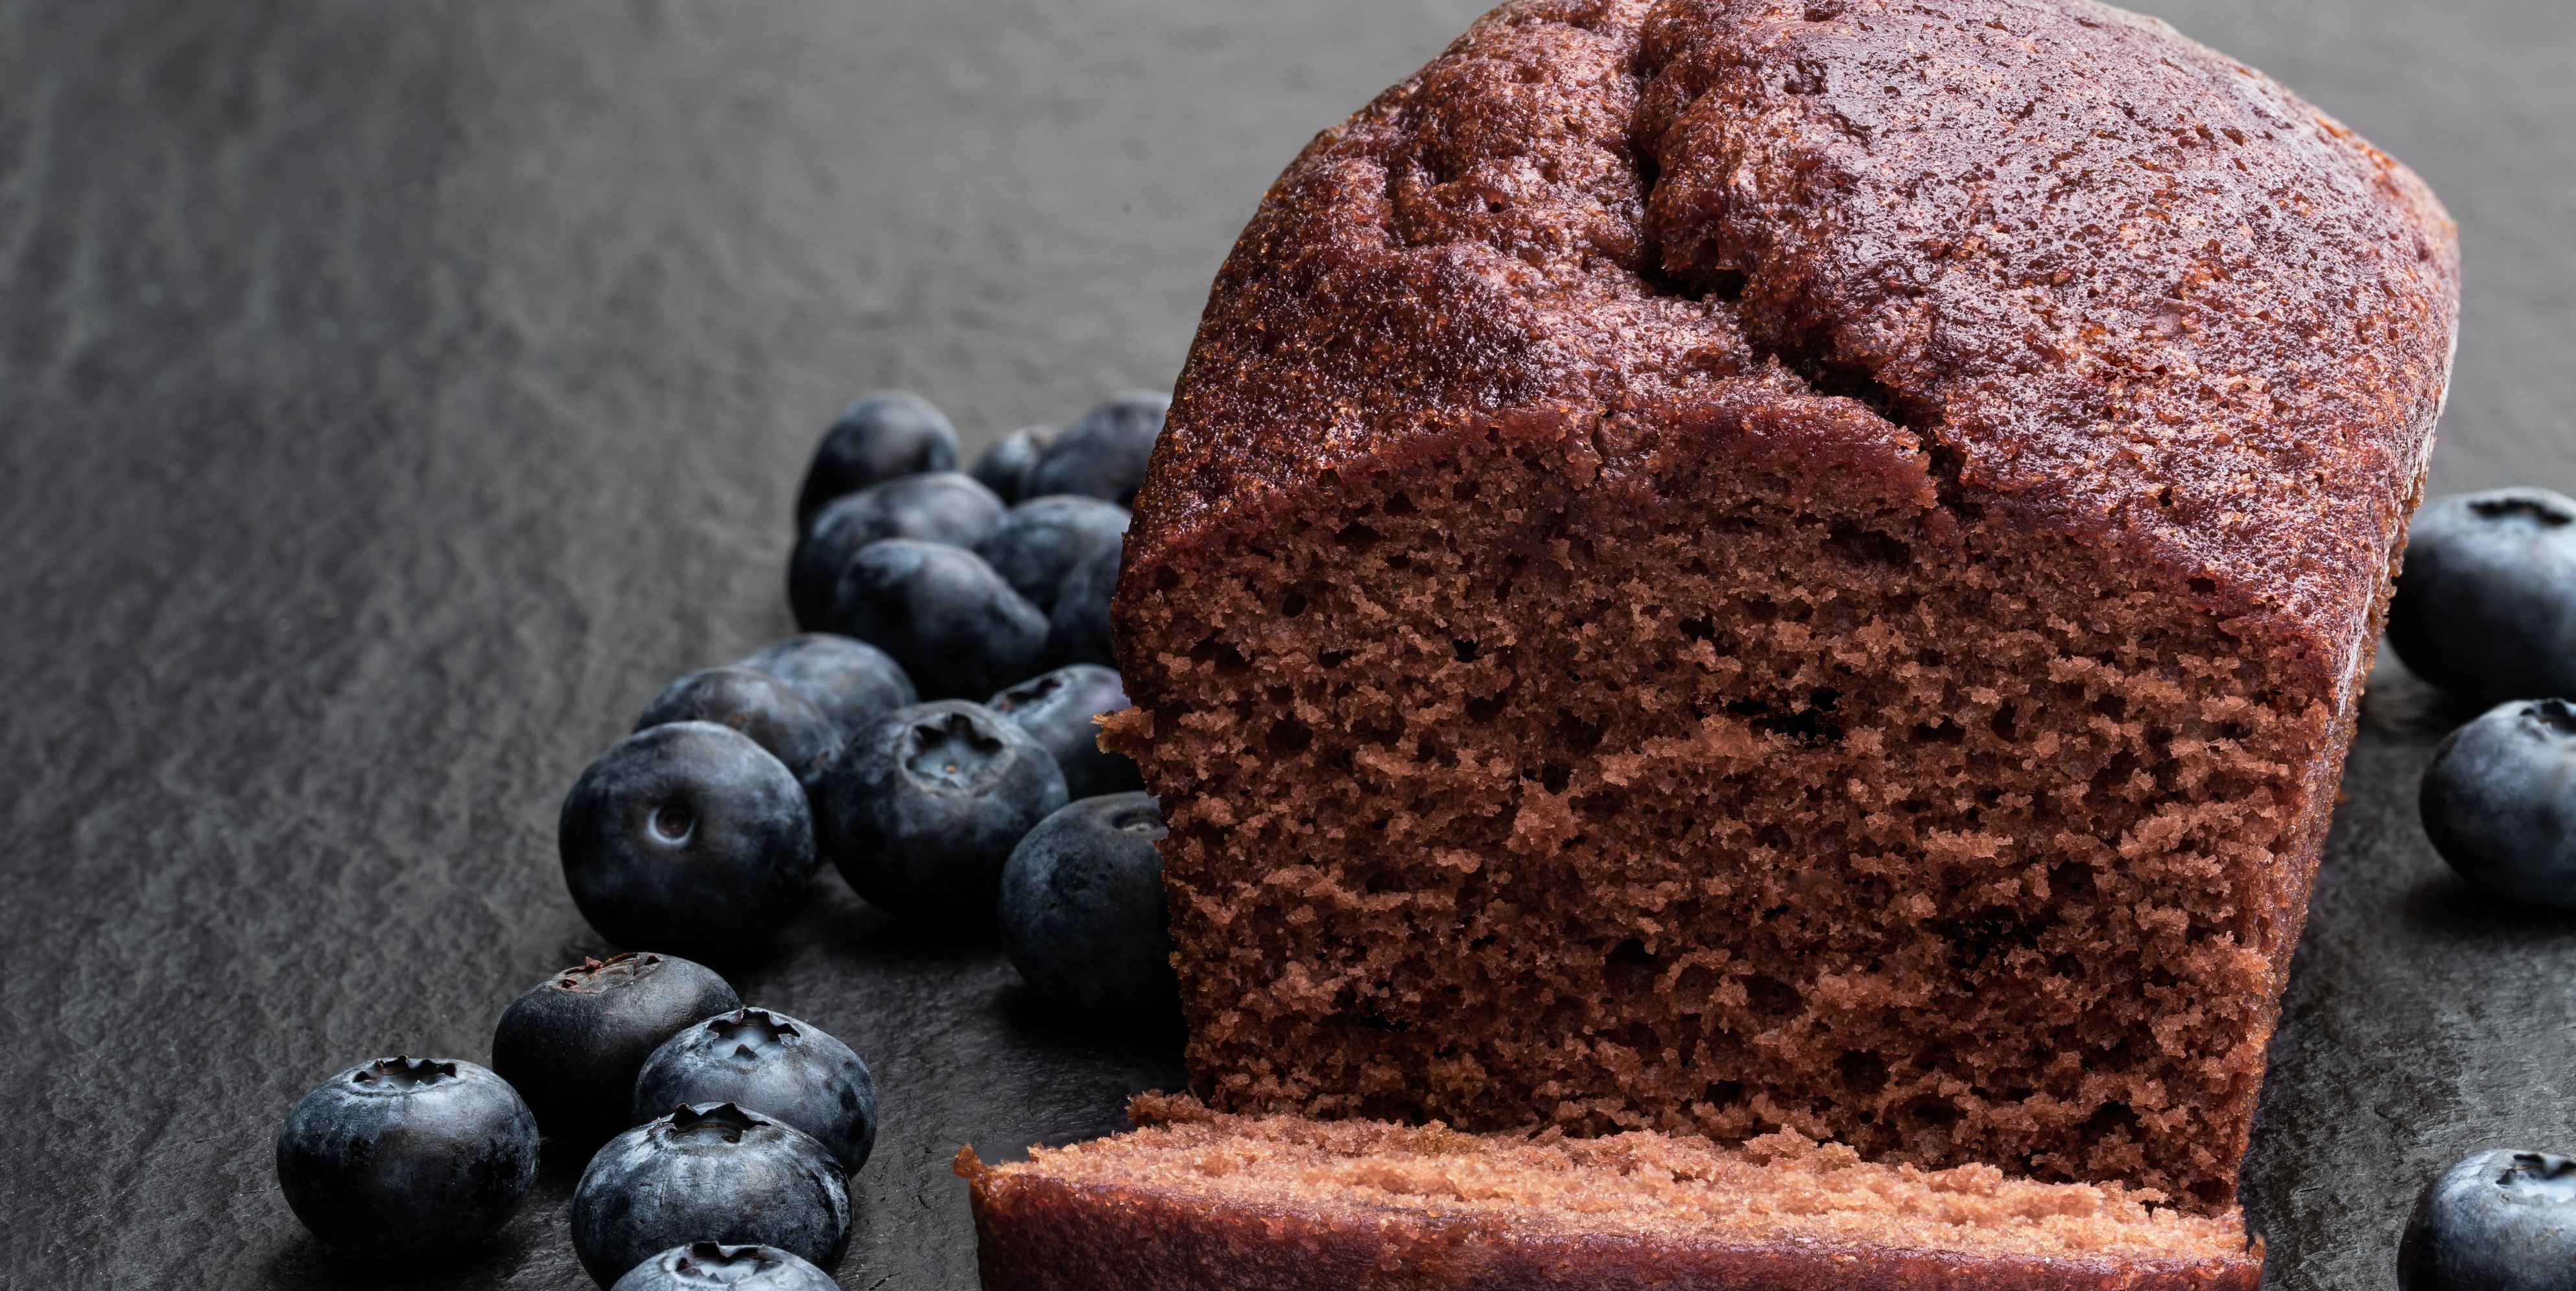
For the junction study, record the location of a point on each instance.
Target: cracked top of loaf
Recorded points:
(2097, 279)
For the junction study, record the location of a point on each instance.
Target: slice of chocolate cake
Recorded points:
(1195, 1201)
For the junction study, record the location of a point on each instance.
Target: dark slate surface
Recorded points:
(393, 395)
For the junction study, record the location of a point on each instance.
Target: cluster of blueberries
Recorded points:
(931, 731)
(2486, 610)
(743, 1183)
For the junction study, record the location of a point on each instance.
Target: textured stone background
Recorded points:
(393, 395)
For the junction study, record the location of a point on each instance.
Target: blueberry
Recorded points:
(396, 1157)
(1102, 455)
(921, 809)
(707, 1264)
(1082, 908)
(2499, 801)
(2497, 1221)
(1057, 708)
(711, 1173)
(1005, 466)
(574, 1042)
(1039, 542)
(947, 507)
(772, 1064)
(1078, 630)
(881, 437)
(2486, 605)
(851, 681)
(687, 835)
(774, 714)
(958, 630)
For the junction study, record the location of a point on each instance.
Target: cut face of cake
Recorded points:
(1727, 567)
(1193, 1201)
(1724, 786)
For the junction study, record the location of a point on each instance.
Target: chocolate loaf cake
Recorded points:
(1195, 1201)
(1730, 568)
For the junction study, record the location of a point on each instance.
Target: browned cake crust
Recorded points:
(2118, 284)
(1280, 1204)
(1722, 566)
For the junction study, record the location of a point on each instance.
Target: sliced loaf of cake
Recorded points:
(1727, 565)
(1740, 568)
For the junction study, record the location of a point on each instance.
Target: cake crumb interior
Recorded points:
(1630, 781)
